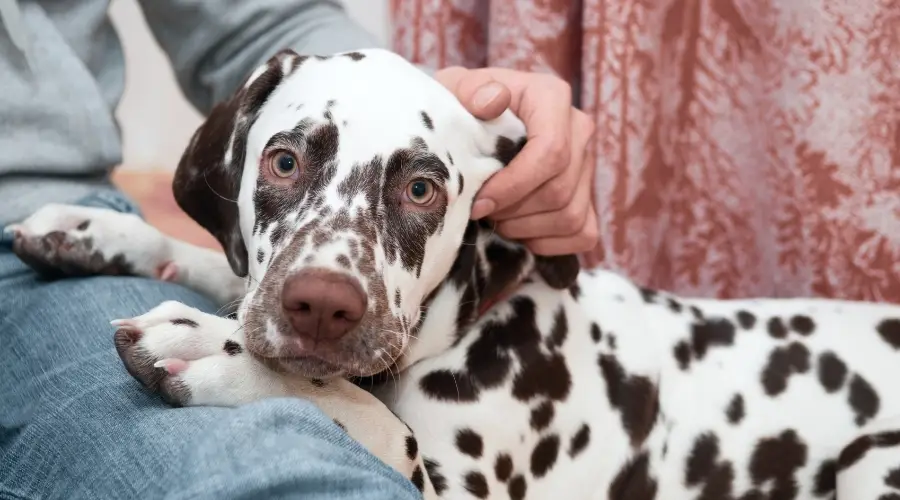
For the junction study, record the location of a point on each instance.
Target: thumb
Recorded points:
(477, 90)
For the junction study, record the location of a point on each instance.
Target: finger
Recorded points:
(585, 240)
(477, 90)
(558, 192)
(592, 258)
(545, 108)
(564, 222)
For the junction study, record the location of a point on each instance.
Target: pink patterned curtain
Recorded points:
(744, 147)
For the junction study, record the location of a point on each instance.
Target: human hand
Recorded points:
(544, 198)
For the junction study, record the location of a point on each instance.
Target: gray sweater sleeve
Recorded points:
(214, 44)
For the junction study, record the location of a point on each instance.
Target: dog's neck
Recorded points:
(487, 268)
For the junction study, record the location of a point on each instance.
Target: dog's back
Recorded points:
(608, 390)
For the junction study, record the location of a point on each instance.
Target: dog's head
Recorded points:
(341, 187)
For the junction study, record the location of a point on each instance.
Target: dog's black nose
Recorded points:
(323, 305)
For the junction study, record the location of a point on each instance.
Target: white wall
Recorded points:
(156, 120)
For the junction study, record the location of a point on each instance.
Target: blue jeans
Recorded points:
(75, 425)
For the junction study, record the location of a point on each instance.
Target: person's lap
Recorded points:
(74, 424)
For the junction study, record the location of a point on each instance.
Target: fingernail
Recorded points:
(486, 94)
(12, 230)
(482, 208)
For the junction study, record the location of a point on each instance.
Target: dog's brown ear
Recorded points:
(560, 271)
(207, 181)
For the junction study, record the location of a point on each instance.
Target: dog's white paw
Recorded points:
(174, 349)
(192, 358)
(69, 240)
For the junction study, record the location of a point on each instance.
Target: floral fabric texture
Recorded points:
(743, 148)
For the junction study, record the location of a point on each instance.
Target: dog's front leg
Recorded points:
(71, 240)
(196, 359)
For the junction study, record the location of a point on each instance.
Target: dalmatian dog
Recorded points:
(340, 188)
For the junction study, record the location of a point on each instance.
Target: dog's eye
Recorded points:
(284, 164)
(420, 191)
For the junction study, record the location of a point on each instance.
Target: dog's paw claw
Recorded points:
(167, 271)
(171, 366)
(13, 230)
(163, 346)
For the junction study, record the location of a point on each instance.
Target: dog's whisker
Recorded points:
(206, 180)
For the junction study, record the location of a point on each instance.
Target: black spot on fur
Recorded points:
(503, 467)
(802, 324)
(560, 329)
(713, 332)
(893, 478)
(634, 396)
(702, 459)
(260, 256)
(776, 328)
(776, 460)
(489, 358)
(826, 478)
(832, 372)
(412, 447)
(83, 226)
(596, 334)
(696, 313)
(611, 341)
(543, 457)
(507, 263)
(469, 442)
(705, 468)
(317, 382)
(476, 484)
(746, 319)
(427, 121)
(356, 56)
(633, 481)
(185, 322)
(682, 352)
(889, 329)
(506, 149)
(232, 348)
(433, 469)
(783, 362)
(517, 487)
(418, 479)
(674, 305)
(735, 411)
(445, 385)
(648, 294)
(575, 291)
(542, 416)
(232, 315)
(580, 440)
(863, 399)
(543, 376)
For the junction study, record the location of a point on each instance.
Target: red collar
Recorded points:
(488, 302)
